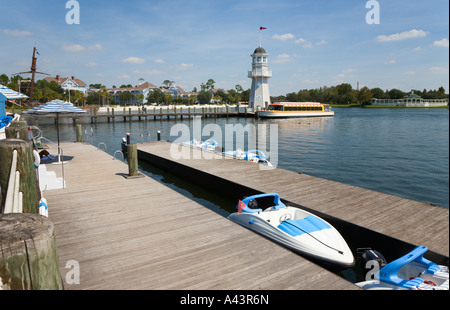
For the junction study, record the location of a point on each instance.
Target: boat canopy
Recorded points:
(6, 94)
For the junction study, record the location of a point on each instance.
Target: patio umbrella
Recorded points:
(55, 107)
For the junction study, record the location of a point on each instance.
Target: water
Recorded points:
(403, 152)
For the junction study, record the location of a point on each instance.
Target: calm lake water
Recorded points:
(403, 152)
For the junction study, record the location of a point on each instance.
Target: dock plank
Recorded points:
(140, 234)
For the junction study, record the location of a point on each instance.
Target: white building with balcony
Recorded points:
(259, 93)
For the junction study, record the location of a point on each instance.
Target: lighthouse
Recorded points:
(259, 93)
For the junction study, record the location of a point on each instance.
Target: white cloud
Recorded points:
(282, 59)
(441, 43)
(283, 37)
(308, 45)
(390, 62)
(91, 64)
(350, 70)
(322, 42)
(310, 81)
(133, 60)
(187, 66)
(124, 76)
(402, 35)
(417, 48)
(17, 33)
(159, 61)
(80, 48)
(148, 72)
(300, 40)
(439, 70)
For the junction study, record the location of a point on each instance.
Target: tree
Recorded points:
(396, 94)
(156, 96)
(204, 96)
(378, 93)
(125, 96)
(168, 84)
(364, 95)
(4, 79)
(344, 89)
(210, 83)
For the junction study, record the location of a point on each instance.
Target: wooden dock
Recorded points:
(137, 233)
(409, 221)
(159, 113)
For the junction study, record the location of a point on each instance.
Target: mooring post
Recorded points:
(25, 165)
(29, 259)
(159, 135)
(79, 133)
(17, 130)
(132, 159)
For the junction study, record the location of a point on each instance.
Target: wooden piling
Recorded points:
(17, 130)
(25, 165)
(132, 159)
(29, 259)
(80, 133)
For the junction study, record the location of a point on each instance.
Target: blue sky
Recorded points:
(312, 43)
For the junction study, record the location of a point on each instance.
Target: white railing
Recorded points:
(260, 73)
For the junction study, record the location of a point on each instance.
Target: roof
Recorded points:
(11, 94)
(259, 50)
(63, 79)
(140, 87)
(298, 103)
(55, 106)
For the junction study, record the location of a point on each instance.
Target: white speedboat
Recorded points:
(254, 156)
(409, 272)
(296, 229)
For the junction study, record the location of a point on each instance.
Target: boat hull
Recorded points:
(325, 246)
(280, 114)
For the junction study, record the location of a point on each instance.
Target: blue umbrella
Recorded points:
(56, 107)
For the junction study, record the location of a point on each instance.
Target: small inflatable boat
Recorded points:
(296, 229)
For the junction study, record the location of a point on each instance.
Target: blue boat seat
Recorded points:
(389, 273)
(308, 225)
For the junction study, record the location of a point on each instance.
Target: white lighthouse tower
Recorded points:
(259, 93)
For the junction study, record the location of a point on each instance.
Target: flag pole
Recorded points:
(259, 36)
(260, 28)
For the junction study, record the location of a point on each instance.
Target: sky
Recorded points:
(311, 43)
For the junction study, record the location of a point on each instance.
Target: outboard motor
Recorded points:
(365, 255)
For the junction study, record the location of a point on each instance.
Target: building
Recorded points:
(8, 94)
(69, 83)
(259, 92)
(142, 89)
(410, 100)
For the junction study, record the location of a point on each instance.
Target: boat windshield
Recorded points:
(275, 108)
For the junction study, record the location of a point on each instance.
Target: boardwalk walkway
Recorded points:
(139, 234)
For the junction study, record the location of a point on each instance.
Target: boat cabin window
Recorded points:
(275, 108)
